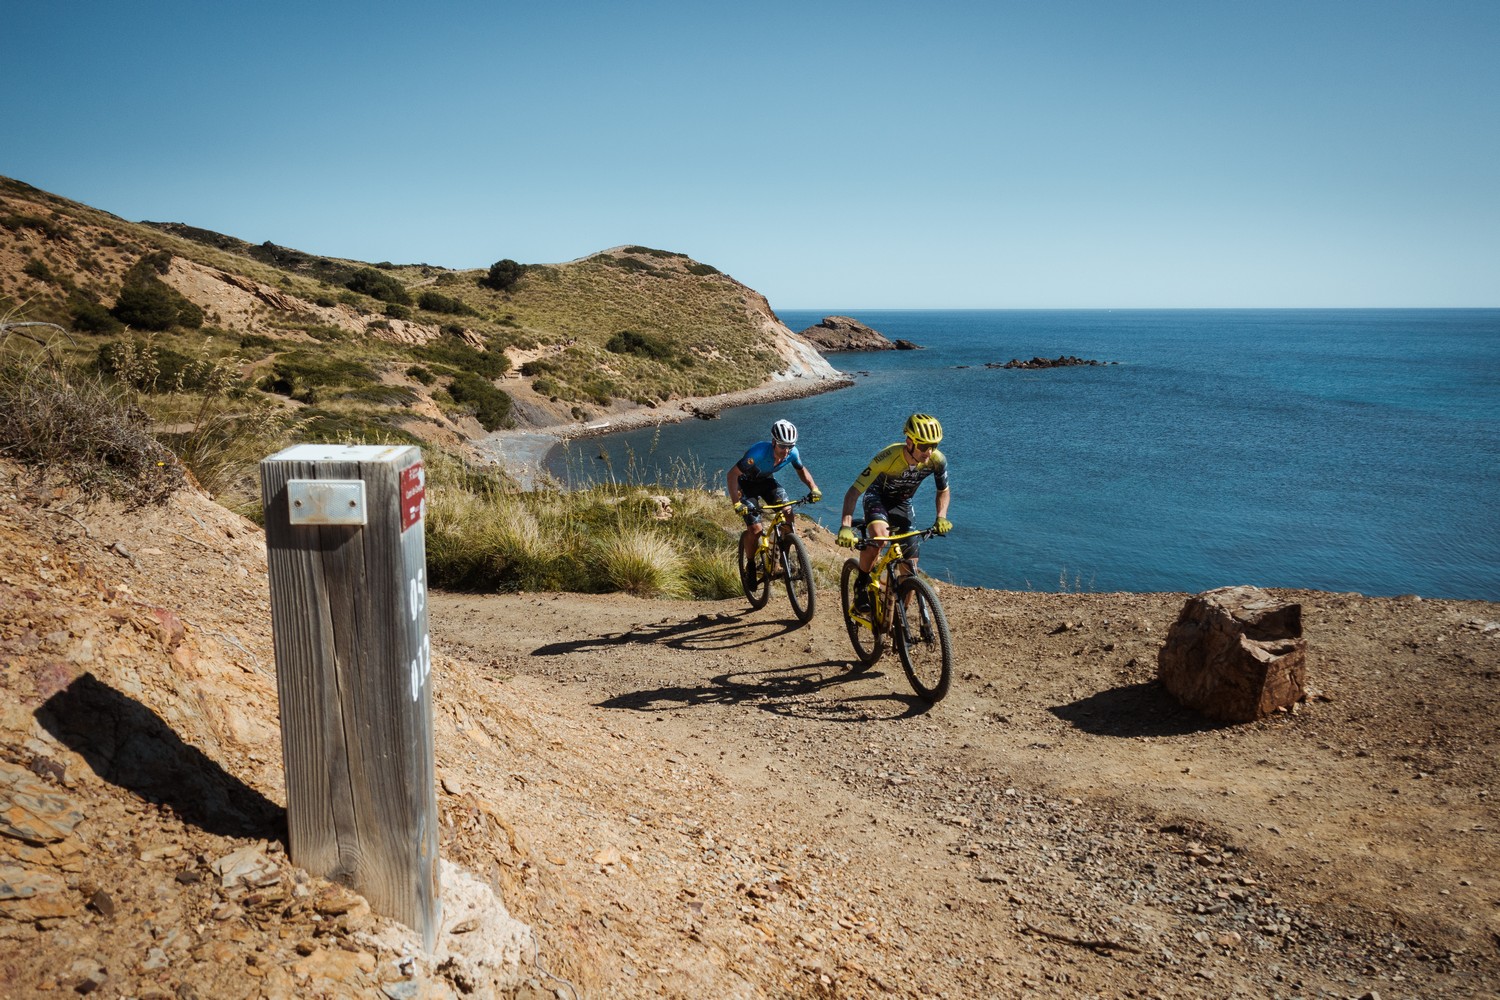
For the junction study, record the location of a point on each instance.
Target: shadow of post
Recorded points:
(1134, 710)
(128, 745)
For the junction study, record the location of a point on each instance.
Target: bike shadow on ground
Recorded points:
(705, 632)
(1134, 710)
(795, 692)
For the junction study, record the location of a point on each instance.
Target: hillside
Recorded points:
(687, 799)
(409, 353)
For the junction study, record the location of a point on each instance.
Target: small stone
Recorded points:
(103, 904)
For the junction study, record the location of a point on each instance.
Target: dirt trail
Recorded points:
(1057, 823)
(694, 800)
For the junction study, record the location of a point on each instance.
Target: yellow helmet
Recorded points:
(923, 429)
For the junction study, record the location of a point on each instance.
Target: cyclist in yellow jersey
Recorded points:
(888, 484)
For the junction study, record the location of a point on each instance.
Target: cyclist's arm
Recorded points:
(940, 480)
(807, 478)
(850, 499)
(734, 483)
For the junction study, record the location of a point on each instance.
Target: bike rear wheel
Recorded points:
(759, 592)
(798, 577)
(867, 641)
(922, 639)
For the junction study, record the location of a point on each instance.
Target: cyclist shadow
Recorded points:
(784, 691)
(1134, 710)
(706, 632)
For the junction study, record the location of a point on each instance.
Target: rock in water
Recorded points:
(1235, 654)
(841, 333)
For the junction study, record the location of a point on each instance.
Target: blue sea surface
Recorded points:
(1340, 450)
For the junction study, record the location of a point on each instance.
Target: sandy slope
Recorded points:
(693, 800)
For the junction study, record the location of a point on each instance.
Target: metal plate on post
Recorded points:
(326, 501)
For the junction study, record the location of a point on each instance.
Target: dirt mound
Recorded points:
(689, 800)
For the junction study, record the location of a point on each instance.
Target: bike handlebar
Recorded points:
(865, 543)
(754, 504)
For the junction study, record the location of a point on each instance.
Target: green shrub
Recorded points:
(458, 354)
(439, 303)
(377, 285)
(148, 303)
(649, 252)
(421, 374)
(628, 264)
(254, 341)
(397, 311)
(328, 334)
(491, 406)
(353, 427)
(381, 395)
(300, 374)
(640, 344)
(503, 275)
(91, 317)
(37, 269)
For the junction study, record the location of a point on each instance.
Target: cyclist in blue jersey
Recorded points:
(754, 476)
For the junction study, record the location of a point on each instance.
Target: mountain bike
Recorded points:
(787, 560)
(904, 606)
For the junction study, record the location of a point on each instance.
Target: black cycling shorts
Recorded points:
(898, 516)
(765, 489)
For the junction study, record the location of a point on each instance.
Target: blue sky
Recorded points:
(1072, 153)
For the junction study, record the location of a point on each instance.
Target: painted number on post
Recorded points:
(421, 664)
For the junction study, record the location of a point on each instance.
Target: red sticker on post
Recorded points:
(413, 495)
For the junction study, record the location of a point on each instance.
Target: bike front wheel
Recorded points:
(757, 590)
(798, 577)
(868, 641)
(922, 639)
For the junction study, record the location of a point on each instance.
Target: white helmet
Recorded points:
(784, 432)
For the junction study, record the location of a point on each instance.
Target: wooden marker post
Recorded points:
(347, 566)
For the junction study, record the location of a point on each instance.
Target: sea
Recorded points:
(1345, 450)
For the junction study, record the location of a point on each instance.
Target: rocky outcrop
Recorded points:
(1235, 654)
(1062, 361)
(841, 333)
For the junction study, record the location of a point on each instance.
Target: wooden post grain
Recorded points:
(347, 566)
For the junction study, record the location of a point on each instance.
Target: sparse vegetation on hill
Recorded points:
(630, 327)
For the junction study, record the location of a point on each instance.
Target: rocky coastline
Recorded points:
(522, 453)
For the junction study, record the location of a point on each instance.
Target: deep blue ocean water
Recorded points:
(1341, 450)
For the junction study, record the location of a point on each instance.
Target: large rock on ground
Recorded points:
(1235, 654)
